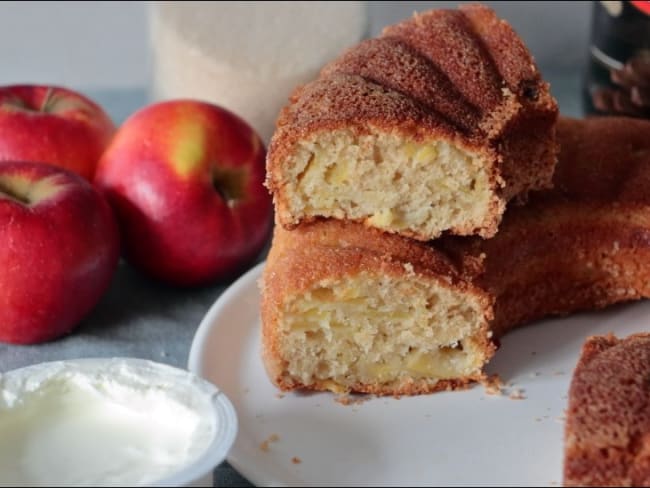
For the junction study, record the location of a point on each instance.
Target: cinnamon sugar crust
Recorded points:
(458, 83)
(607, 440)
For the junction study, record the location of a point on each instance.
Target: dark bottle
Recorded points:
(617, 81)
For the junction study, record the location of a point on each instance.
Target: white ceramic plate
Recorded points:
(451, 438)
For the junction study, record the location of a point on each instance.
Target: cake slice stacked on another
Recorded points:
(432, 127)
(349, 308)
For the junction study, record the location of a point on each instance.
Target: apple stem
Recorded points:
(5, 190)
(46, 100)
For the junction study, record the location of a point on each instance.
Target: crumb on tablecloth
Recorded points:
(354, 399)
(517, 394)
(265, 445)
(296, 460)
(493, 385)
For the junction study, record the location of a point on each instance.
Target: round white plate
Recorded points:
(451, 438)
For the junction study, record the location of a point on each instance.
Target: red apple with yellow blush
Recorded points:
(186, 181)
(59, 249)
(53, 125)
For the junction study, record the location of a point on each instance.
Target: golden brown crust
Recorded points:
(448, 38)
(458, 75)
(584, 244)
(607, 432)
(407, 387)
(332, 250)
(350, 101)
(400, 68)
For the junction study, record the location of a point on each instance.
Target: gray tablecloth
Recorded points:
(141, 318)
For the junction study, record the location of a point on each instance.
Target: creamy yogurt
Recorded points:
(102, 423)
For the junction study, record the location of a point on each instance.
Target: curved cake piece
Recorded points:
(607, 432)
(583, 245)
(431, 127)
(348, 308)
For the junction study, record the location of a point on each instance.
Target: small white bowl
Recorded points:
(203, 396)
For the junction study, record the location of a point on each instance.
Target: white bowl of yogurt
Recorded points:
(111, 422)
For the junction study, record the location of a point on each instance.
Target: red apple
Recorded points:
(186, 181)
(59, 248)
(52, 125)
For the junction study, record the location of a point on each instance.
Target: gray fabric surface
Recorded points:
(141, 318)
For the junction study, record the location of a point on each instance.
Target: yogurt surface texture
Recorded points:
(101, 423)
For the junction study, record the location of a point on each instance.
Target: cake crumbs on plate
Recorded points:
(517, 394)
(279, 396)
(296, 460)
(558, 373)
(493, 385)
(353, 399)
(265, 445)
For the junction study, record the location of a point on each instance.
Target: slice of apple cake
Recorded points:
(432, 127)
(347, 308)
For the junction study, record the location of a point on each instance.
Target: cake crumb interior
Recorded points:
(392, 183)
(380, 330)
